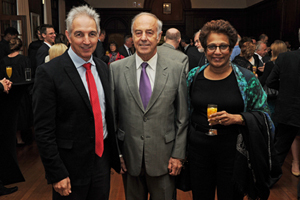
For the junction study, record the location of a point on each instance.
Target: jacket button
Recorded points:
(142, 137)
(145, 119)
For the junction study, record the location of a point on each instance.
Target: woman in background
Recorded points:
(18, 63)
(57, 50)
(113, 53)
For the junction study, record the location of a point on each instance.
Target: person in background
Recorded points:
(61, 38)
(48, 34)
(99, 51)
(5, 86)
(57, 50)
(221, 161)
(236, 50)
(9, 34)
(113, 53)
(285, 78)
(202, 58)
(18, 63)
(32, 49)
(125, 49)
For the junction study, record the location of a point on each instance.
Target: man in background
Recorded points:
(100, 52)
(48, 34)
(33, 48)
(125, 50)
(169, 48)
(202, 57)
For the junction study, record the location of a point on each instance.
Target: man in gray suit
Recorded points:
(149, 95)
(168, 49)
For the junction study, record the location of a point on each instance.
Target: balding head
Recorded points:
(173, 37)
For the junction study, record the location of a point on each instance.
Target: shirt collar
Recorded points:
(185, 48)
(78, 62)
(126, 47)
(258, 56)
(151, 63)
(49, 45)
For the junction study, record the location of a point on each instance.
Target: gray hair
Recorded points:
(258, 45)
(159, 23)
(82, 10)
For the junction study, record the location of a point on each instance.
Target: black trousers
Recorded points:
(211, 161)
(99, 185)
(284, 137)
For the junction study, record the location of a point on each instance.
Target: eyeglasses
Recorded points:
(223, 47)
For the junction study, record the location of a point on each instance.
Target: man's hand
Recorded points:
(174, 166)
(123, 166)
(63, 187)
(262, 68)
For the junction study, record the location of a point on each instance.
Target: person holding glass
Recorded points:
(234, 159)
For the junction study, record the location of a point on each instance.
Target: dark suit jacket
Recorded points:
(100, 52)
(285, 76)
(194, 56)
(202, 59)
(32, 50)
(122, 50)
(41, 53)
(4, 48)
(64, 121)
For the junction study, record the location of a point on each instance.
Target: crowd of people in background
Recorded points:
(153, 93)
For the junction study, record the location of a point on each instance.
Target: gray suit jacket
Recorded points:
(167, 50)
(160, 131)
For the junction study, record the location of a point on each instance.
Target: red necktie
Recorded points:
(94, 99)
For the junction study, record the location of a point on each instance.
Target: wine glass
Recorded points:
(211, 109)
(9, 71)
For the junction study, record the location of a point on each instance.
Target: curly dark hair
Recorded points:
(218, 26)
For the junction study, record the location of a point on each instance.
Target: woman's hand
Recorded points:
(225, 119)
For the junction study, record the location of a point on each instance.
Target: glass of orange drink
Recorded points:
(211, 109)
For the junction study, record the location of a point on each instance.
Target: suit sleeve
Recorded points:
(44, 108)
(40, 57)
(181, 118)
(186, 66)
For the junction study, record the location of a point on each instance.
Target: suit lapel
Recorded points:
(72, 72)
(161, 77)
(130, 77)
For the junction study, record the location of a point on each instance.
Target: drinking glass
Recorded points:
(9, 71)
(27, 74)
(254, 69)
(211, 109)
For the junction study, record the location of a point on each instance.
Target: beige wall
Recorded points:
(195, 3)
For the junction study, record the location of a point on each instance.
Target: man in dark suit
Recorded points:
(9, 34)
(73, 115)
(285, 78)
(33, 48)
(48, 35)
(169, 48)
(100, 52)
(125, 50)
(191, 51)
(202, 58)
(150, 96)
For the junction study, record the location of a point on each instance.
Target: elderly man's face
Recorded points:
(263, 50)
(145, 37)
(197, 42)
(84, 36)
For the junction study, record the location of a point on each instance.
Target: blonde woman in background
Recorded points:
(55, 51)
